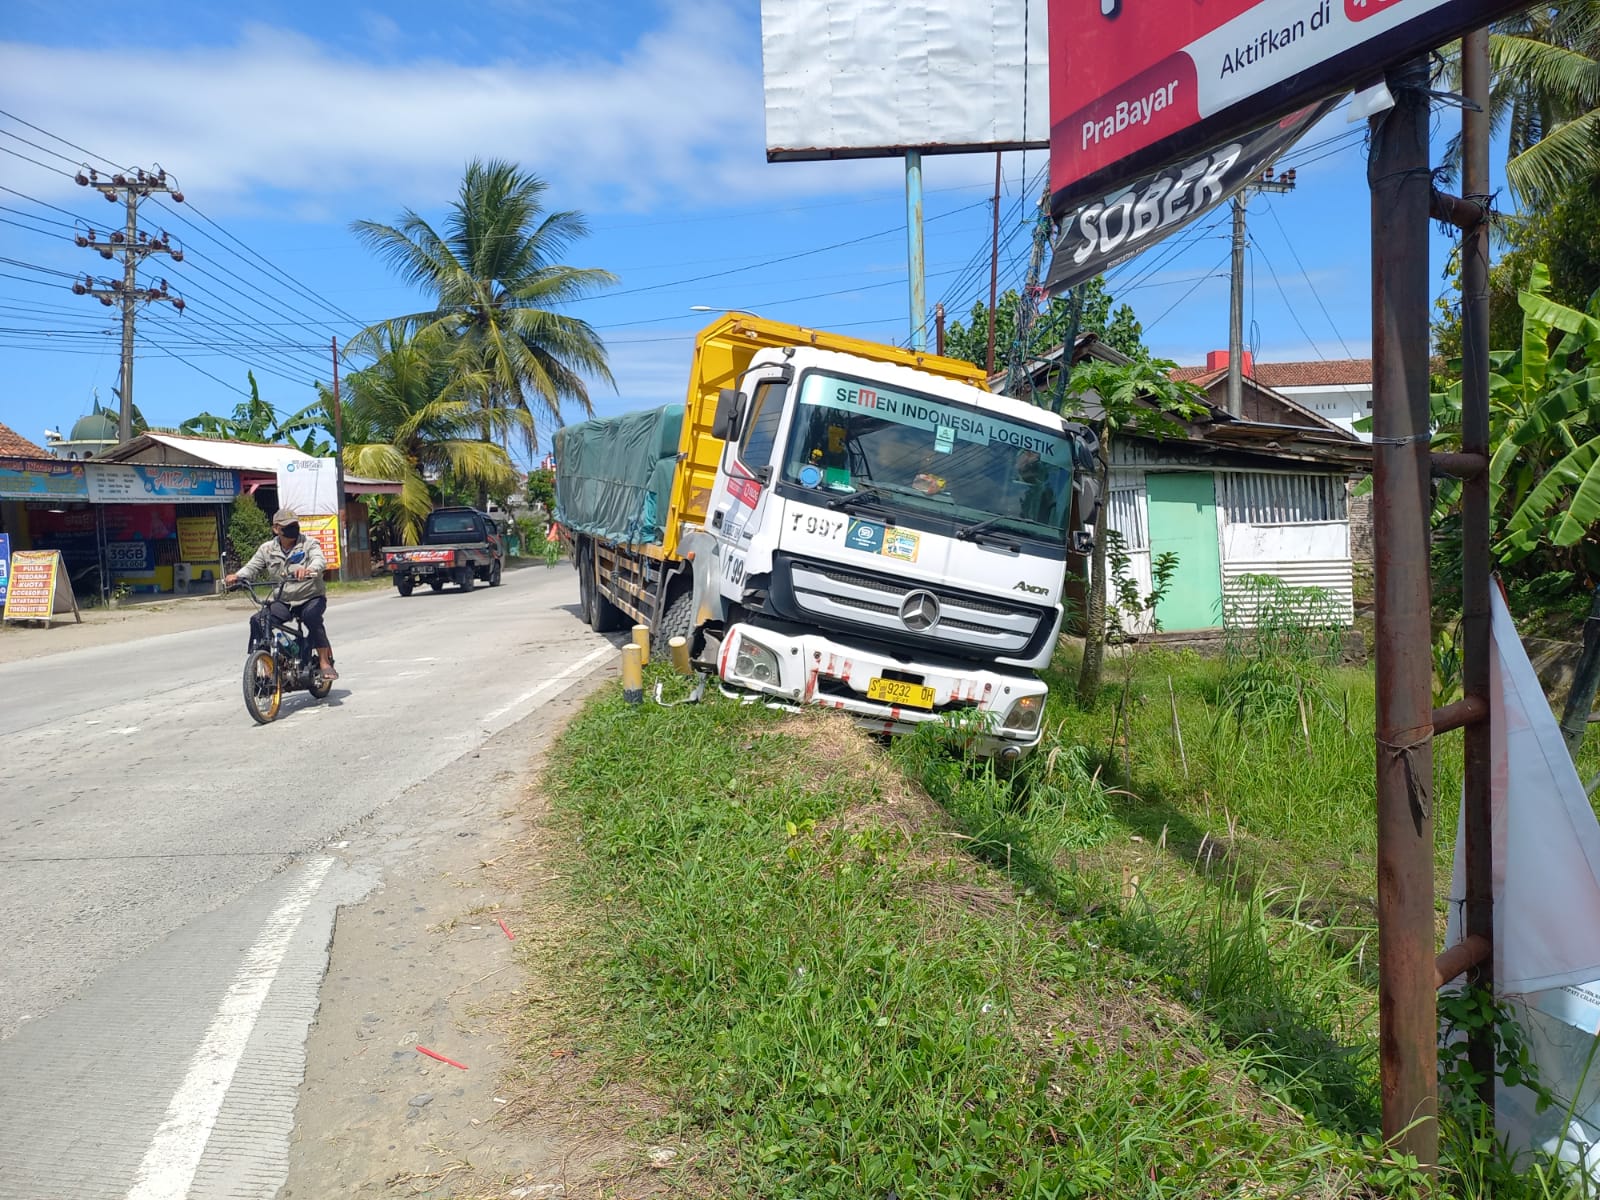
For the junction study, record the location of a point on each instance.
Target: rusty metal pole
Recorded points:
(1399, 179)
(1478, 856)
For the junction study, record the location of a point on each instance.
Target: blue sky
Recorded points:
(285, 125)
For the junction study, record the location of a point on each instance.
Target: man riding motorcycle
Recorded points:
(291, 555)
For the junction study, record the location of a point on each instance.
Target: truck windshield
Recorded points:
(925, 455)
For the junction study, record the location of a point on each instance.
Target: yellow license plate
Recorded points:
(895, 691)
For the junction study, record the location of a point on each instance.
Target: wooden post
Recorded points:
(678, 651)
(632, 675)
(641, 639)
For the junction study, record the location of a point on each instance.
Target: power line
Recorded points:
(1306, 275)
(1212, 274)
(1296, 316)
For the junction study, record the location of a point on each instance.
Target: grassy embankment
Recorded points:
(1139, 972)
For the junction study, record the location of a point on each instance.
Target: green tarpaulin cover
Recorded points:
(614, 475)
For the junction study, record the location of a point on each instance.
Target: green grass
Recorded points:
(1129, 972)
(841, 1003)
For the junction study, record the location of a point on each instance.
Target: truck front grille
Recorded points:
(965, 622)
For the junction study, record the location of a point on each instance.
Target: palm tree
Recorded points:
(1546, 93)
(415, 415)
(494, 274)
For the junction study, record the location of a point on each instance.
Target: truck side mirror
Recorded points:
(725, 422)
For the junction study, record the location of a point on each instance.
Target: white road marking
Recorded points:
(559, 681)
(174, 1153)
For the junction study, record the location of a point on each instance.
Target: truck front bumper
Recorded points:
(812, 669)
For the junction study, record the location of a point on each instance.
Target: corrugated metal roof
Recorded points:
(218, 452)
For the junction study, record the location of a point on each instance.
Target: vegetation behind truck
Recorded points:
(830, 521)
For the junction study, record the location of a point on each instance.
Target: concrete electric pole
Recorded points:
(1284, 183)
(132, 246)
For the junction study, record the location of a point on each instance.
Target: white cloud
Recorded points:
(676, 115)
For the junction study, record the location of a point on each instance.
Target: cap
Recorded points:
(284, 516)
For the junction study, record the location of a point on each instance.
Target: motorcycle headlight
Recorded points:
(1025, 714)
(754, 661)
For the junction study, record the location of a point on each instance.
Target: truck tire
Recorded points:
(436, 584)
(677, 621)
(403, 584)
(467, 578)
(585, 588)
(494, 574)
(605, 617)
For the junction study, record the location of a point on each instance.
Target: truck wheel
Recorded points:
(494, 574)
(585, 590)
(606, 616)
(466, 578)
(403, 584)
(436, 584)
(677, 621)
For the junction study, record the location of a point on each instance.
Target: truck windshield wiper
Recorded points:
(871, 494)
(986, 528)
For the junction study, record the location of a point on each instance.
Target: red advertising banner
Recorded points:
(1136, 84)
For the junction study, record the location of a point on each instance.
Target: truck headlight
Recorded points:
(755, 661)
(1025, 714)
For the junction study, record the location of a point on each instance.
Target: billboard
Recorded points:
(1137, 84)
(35, 478)
(874, 78)
(1100, 233)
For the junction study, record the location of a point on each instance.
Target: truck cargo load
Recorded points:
(614, 475)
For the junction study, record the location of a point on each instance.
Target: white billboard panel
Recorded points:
(871, 78)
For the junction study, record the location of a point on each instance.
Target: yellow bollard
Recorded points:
(641, 639)
(632, 675)
(678, 650)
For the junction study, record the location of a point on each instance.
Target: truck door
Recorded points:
(744, 478)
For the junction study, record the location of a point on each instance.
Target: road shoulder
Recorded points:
(445, 954)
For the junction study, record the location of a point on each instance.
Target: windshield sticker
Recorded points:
(864, 535)
(745, 491)
(949, 420)
(944, 439)
(902, 544)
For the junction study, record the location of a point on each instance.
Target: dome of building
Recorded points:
(96, 427)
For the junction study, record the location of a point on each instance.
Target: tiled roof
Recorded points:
(1289, 374)
(14, 445)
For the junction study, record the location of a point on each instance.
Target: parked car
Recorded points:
(459, 545)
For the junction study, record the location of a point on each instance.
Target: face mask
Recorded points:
(291, 531)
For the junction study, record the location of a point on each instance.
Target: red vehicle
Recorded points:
(459, 546)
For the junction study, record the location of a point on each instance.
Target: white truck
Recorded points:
(835, 522)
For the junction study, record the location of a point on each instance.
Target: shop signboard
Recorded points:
(5, 566)
(326, 530)
(33, 478)
(148, 483)
(309, 486)
(1137, 84)
(38, 589)
(197, 539)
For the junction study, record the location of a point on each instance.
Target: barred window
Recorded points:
(1125, 514)
(1259, 498)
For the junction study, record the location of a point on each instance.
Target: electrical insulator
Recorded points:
(119, 238)
(81, 179)
(81, 240)
(177, 256)
(79, 290)
(110, 195)
(119, 180)
(104, 253)
(163, 286)
(177, 197)
(178, 304)
(106, 300)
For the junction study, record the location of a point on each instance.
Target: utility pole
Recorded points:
(338, 468)
(994, 262)
(938, 328)
(914, 259)
(133, 246)
(1241, 201)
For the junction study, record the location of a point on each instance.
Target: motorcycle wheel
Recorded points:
(319, 687)
(263, 686)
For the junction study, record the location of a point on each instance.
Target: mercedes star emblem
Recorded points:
(919, 611)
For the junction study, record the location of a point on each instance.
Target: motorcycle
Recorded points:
(280, 658)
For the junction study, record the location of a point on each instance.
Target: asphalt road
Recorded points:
(169, 871)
